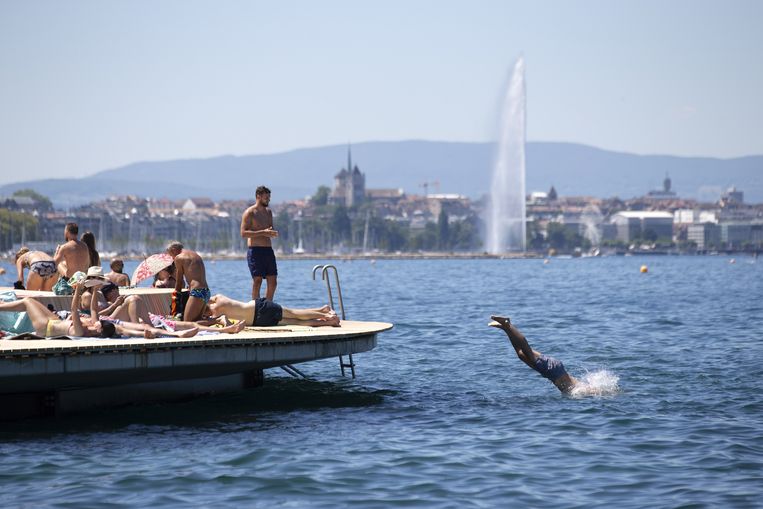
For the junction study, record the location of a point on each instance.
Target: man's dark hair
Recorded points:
(107, 329)
(108, 287)
(72, 228)
(261, 190)
(117, 265)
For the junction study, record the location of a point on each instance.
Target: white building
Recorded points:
(633, 224)
(704, 235)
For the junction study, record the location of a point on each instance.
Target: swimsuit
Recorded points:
(201, 293)
(44, 269)
(62, 287)
(549, 367)
(262, 261)
(49, 329)
(266, 313)
(161, 322)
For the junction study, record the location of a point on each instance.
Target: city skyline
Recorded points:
(95, 86)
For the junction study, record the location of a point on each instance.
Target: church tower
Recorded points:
(349, 184)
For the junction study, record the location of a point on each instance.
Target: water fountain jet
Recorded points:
(506, 221)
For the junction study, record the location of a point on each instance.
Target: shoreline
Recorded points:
(437, 256)
(456, 256)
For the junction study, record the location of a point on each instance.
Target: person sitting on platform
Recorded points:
(42, 270)
(548, 367)
(116, 275)
(89, 239)
(128, 308)
(189, 266)
(264, 313)
(165, 278)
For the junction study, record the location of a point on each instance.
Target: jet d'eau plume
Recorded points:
(506, 228)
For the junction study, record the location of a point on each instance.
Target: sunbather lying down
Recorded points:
(264, 313)
(48, 324)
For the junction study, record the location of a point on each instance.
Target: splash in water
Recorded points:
(596, 383)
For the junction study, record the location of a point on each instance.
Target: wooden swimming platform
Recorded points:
(55, 376)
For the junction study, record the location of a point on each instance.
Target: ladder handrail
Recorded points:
(324, 276)
(328, 283)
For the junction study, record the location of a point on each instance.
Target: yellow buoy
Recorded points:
(644, 269)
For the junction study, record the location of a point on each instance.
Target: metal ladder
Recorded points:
(293, 371)
(324, 276)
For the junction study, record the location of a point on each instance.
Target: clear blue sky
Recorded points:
(90, 85)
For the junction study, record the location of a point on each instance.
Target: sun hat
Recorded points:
(94, 277)
(95, 271)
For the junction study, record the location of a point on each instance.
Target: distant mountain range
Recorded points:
(463, 168)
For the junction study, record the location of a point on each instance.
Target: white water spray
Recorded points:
(591, 219)
(506, 226)
(597, 383)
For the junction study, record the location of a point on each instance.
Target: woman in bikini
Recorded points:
(48, 324)
(42, 270)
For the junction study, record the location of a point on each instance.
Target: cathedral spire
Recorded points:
(349, 157)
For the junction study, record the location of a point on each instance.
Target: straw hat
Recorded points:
(95, 277)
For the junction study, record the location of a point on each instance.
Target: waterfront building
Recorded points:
(635, 224)
(704, 235)
(452, 204)
(199, 205)
(735, 235)
(390, 196)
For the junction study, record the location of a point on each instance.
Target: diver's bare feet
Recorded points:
(500, 322)
(325, 309)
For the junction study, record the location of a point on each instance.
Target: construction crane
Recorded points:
(433, 183)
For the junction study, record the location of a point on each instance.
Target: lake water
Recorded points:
(442, 413)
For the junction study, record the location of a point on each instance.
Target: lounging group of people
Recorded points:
(52, 273)
(98, 308)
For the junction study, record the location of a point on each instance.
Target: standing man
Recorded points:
(72, 256)
(257, 229)
(190, 266)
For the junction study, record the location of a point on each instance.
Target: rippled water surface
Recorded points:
(442, 412)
